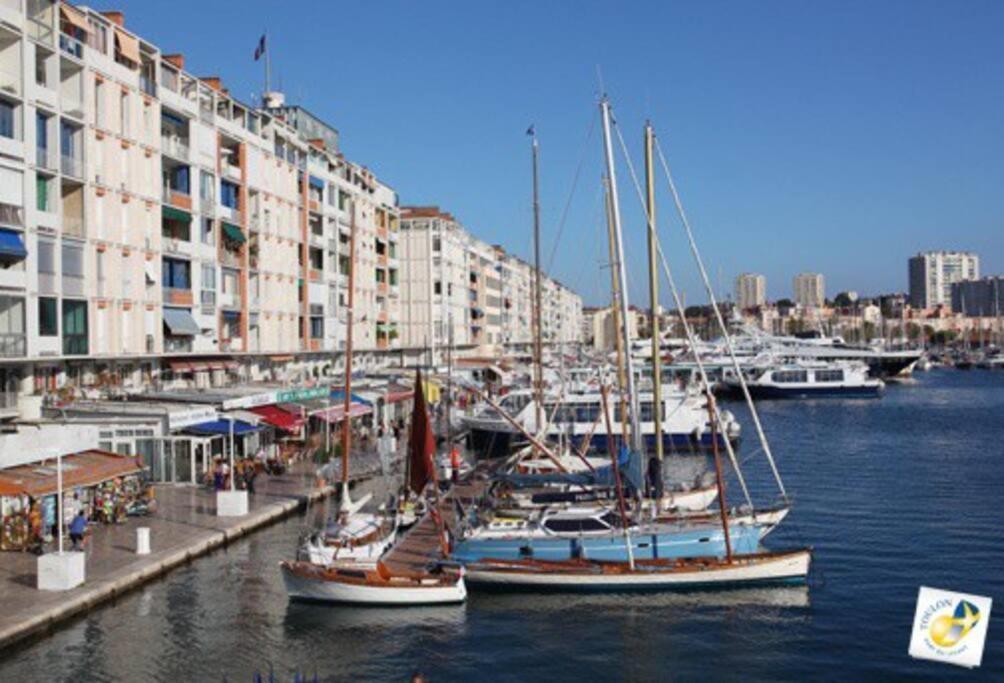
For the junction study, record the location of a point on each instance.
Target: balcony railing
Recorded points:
(71, 46)
(147, 85)
(13, 345)
(40, 31)
(229, 258)
(73, 226)
(175, 147)
(177, 344)
(232, 172)
(44, 158)
(177, 297)
(74, 344)
(72, 166)
(10, 81)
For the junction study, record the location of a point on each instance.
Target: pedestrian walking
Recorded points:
(77, 528)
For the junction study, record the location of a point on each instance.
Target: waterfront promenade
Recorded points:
(184, 526)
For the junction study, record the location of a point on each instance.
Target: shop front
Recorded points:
(107, 487)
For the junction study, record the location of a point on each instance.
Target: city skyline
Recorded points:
(770, 159)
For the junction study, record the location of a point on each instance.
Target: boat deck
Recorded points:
(420, 545)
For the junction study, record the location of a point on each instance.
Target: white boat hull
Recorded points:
(782, 568)
(319, 590)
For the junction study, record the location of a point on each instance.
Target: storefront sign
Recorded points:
(179, 419)
(282, 396)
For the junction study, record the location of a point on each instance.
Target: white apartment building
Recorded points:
(751, 291)
(810, 290)
(933, 273)
(449, 275)
(153, 226)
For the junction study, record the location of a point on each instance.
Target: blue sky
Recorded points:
(838, 137)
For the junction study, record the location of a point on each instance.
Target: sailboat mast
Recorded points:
(653, 291)
(615, 309)
(346, 431)
(615, 210)
(538, 369)
(614, 456)
(719, 478)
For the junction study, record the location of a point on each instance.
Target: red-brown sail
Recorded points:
(422, 442)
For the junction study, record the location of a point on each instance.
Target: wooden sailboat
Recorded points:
(374, 583)
(582, 573)
(355, 535)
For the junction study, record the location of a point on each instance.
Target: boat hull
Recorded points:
(702, 541)
(756, 570)
(760, 391)
(496, 444)
(308, 588)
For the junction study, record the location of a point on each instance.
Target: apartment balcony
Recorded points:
(232, 344)
(72, 166)
(176, 245)
(13, 345)
(315, 344)
(72, 105)
(232, 172)
(73, 226)
(40, 31)
(178, 297)
(314, 205)
(229, 258)
(316, 275)
(71, 46)
(10, 81)
(176, 198)
(382, 343)
(46, 158)
(174, 147)
(177, 344)
(229, 300)
(231, 215)
(254, 223)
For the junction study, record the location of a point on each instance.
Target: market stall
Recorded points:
(103, 485)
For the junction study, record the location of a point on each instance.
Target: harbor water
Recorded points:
(892, 494)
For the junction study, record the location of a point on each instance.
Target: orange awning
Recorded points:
(128, 46)
(74, 17)
(89, 468)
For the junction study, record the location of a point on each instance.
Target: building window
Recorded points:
(176, 274)
(437, 287)
(228, 194)
(74, 327)
(124, 114)
(207, 231)
(48, 317)
(316, 328)
(7, 129)
(42, 193)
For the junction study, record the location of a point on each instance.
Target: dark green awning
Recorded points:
(233, 232)
(176, 214)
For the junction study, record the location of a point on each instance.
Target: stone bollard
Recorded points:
(143, 540)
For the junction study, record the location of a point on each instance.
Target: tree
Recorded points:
(785, 303)
(843, 300)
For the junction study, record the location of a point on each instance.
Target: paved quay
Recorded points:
(184, 527)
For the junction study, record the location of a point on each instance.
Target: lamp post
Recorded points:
(232, 503)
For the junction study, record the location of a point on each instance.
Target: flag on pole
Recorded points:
(260, 50)
(531, 131)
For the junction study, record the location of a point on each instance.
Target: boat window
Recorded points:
(562, 526)
(829, 375)
(612, 519)
(584, 413)
(591, 524)
(784, 376)
(646, 412)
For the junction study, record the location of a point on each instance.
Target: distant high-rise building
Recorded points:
(979, 298)
(933, 273)
(751, 290)
(810, 290)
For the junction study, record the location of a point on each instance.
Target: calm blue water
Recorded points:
(892, 494)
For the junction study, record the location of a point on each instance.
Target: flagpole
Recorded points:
(268, 64)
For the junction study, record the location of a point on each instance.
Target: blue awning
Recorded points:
(180, 322)
(173, 119)
(317, 183)
(339, 395)
(215, 427)
(11, 244)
